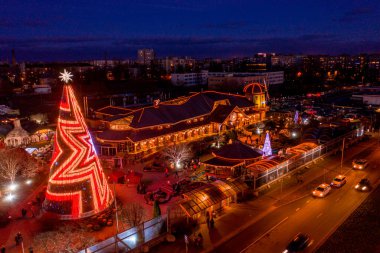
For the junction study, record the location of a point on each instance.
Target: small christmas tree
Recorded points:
(267, 149)
(296, 118)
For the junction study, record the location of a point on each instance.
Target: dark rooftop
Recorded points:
(238, 151)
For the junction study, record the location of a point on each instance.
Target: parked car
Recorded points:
(339, 181)
(322, 190)
(299, 243)
(359, 164)
(363, 185)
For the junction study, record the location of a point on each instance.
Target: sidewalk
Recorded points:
(27, 226)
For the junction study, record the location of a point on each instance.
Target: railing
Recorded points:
(132, 239)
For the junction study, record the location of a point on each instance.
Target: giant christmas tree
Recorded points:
(77, 186)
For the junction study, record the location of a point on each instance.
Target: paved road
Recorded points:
(317, 217)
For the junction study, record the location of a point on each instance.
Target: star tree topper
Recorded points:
(66, 76)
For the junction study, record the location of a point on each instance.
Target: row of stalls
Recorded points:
(230, 160)
(240, 160)
(257, 171)
(206, 200)
(272, 167)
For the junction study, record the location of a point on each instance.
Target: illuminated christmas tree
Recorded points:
(296, 118)
(267, 149)
(77, 186)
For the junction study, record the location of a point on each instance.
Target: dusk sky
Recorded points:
(82, 30)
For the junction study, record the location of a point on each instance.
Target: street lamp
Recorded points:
(12, 186)
(10, 197)
(341, 160)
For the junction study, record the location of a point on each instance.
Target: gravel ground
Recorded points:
(360, 232)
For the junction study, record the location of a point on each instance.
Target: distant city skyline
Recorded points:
(41, 30)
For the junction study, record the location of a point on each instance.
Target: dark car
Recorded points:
(299, 242)
(363, 185)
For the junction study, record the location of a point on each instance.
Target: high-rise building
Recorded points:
(145, 56)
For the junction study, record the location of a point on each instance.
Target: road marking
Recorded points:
(319, 215)
(270, 230)
(298, 209)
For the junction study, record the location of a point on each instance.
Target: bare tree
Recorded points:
(132, 214)
(16, 162)
(67, 239)
(178, 154)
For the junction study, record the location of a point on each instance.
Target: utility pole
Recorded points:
(117, 219)
(341, 160)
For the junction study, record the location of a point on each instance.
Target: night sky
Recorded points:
(80, 30)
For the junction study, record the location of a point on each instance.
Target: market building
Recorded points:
(231, 160)
(185, 119)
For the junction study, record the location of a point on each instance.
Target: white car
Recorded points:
(339, 181)
(359, 164)
(322, 190)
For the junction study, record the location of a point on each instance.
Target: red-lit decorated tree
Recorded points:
(77, 186)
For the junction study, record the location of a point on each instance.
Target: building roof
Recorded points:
(215, 161)
(238, 151)
(303, 147)
(147, 133)
(17, 131)
(208, 195)
(221, 112)
(266, 164)
(196, 105)
(113, 110)
(254, 88)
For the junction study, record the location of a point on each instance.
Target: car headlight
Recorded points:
(285, 251)
(357, 186)
(321, 194)
(360, 167)
(364, 188)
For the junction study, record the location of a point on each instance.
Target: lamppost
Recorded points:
(341, 160)
(117, 218)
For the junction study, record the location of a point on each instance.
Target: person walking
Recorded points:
(212, 222)
(208, 221)
(18, 238)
